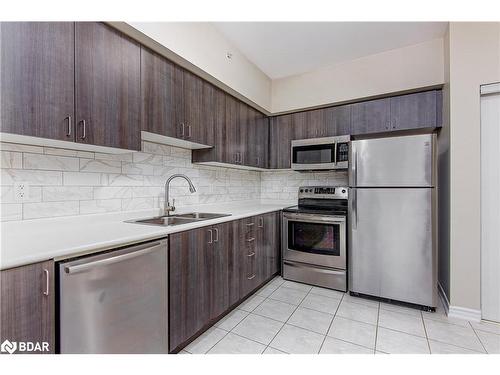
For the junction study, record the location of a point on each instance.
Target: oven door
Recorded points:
(307, 154)
(315, 239)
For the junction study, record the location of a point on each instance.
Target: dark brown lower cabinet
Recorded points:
(212, 269)
(27, 306)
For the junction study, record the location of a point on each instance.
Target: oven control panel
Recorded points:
(324, 192)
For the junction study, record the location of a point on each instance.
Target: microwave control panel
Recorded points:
(342, 152)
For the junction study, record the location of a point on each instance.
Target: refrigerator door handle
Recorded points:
(354, 195)
(353, 178)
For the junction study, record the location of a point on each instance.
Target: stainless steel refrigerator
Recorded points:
(392, 218)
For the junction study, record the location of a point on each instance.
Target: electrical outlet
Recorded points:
(21, 191)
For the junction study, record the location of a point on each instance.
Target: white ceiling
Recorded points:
(282, 49)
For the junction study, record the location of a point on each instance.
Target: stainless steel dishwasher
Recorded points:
(116, 302)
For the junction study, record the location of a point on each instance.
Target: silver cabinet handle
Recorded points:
(251, 277)
(189, 131)
(70, 125)
(47, 282)
(258, 160)
(250, 224)
(261, 222)
(251, 254)
(182, 130)
(84, 128)
(211, 240)
(251, 239)
(216, 235)
(139, 251)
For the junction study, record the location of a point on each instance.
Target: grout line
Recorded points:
(284, 324)
(330, 325)
(376, 330)
(425, 331)
(480, 341)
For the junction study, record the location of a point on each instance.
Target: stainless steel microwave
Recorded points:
(320, 153)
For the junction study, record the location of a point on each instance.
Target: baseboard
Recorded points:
(464, 313)
(457, 311)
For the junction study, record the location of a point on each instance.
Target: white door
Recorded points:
(490, 202)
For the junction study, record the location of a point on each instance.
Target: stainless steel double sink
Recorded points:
(178, 219)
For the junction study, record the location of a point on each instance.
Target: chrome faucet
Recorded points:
(170, 208)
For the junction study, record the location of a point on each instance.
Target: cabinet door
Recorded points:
(414, 111)
(232, 135)
(219, 278)
(268, 240)
(107, 80)
(337, 120)
(27, 304)
(262, 142)
(157, 94)
(248, 253)
(370, 117)
(190, 266)
(315, 124)
(251, 133)
(192, 99)
(280, 141)
(37, 79)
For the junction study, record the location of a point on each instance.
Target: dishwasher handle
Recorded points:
(135, 252)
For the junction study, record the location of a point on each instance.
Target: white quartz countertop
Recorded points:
(30, 241)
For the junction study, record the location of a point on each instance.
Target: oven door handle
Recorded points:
(314, 218)
(316, 268)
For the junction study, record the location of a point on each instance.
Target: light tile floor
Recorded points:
(287, 317)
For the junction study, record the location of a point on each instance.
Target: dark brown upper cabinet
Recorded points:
(37, 79)
(337, 120)
(281, 134)
(107, 82)
(28, 304)
(413, 111)
(192, 107)
(158, 94)
(372, 116)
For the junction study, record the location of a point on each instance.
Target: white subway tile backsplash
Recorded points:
(11, 159)
(100, 206)
(110, 192)
(20, 148)
(105, 166)
(138, 168)
(138, 204)
(84, 179)
(50, 209)
(66, 193)
(50, 162)
(11, 211)
(32, 177)
(155, 148)
(125, 180)
(80, 182)
(7, 194)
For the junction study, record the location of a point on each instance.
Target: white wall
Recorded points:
(204, 46)
(474, 60)
(400, 69)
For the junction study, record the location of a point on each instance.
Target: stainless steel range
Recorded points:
(314, 241)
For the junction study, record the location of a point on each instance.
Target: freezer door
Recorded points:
(392, 244)
(115, 302)
(406, 161)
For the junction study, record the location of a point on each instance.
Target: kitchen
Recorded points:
(149, 207)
